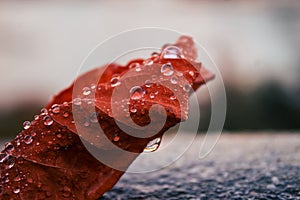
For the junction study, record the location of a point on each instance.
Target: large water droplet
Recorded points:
(153, 145)
(136, 92)
(66, 192)
(9, 147)
(86, 91)
(28, 139)
(115, 81)
(55, 108)
(48, 121)
(77, 101)
(26, 124)
(167, 69)
(171, 52)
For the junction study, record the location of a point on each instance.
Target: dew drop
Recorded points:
(86, 91)
(26, 125)
(94, 117)
(116, 138)
(66, 192)
(66, 114)
(167, 69)
(93, 86)
(136, 92)
(179, 74)
(77, 101)
(16, 190)
(9, 147)
(172, 97)
(171, 52)
(59, 135)
(148, 83)
(186, 88)
(44, 111)
(133, 109)
(134, 65)
(154, 54)
(151, 95)
(11, 162)
(153, 145)
(138, 69)
(191, 73)
(174, 80)
(55, 109)
(148, 62)
(115, 81)
(17, 178)
(33, 133)
(86, 123)
(154, 77)
(36, 117)
(28, 139)
(48, 121)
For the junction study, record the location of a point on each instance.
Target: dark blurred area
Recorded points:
(267, 107)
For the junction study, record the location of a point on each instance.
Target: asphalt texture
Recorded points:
(241, 166)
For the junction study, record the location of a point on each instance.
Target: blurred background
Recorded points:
(255, 44)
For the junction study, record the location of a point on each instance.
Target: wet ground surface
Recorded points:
(241, 166)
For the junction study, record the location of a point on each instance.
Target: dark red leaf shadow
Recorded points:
(49, 158)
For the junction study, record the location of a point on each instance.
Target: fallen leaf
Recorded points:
(108, 114)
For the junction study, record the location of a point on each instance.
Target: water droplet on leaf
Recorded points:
(28, 139)
(77, 101)
(55, 109)
(171, 52)
(174, 80)
(153, 145)
(186, 88)
(133, 109)
(136, 92)
(48, 121)
(9, 147)
(86, 91)
(115, 81)
(167, 69)
(26, 125)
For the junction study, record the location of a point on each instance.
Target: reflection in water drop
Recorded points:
(66, 114)
(153, 145)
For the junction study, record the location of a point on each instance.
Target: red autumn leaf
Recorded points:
(84, 140)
